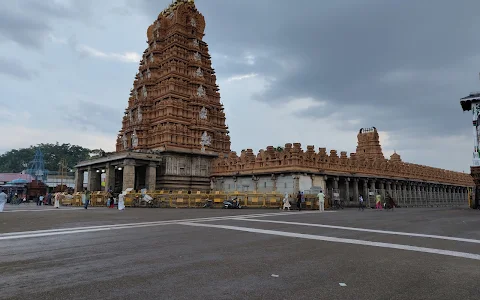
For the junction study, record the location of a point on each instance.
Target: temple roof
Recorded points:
(466, 102)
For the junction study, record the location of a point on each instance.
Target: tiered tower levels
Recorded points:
(175, 101)
(293, 158)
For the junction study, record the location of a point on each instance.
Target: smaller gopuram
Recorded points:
(472, 103)
(174, 124)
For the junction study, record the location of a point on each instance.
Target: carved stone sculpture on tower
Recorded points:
(139, 114)
(134, 139)
(199, 72)
(203, 113)
(201, 91)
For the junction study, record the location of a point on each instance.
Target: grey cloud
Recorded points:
(28, 22)
(398, 65)
(87, 115)
(15, 69)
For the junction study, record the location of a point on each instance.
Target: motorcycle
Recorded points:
(233, 203)
(208, 203)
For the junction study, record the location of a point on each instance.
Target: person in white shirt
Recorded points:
(286, 202)
(360, 203)
(321, 201)
(3, 200)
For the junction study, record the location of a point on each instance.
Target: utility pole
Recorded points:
(62, 169)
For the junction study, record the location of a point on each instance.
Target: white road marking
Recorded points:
(50, 232)
(440, 237)
(342, 284)
(40, 210)
(339, 240)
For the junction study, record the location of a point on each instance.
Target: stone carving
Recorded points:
(141, 75)
(193, 22)
(124, 141)
(134, 139)
(130, 116)
(201, 91)
(139, 114)
(197, 56)
(273, 159)
(206, 140)
(171, 15)
(174, 125)
(203, 113)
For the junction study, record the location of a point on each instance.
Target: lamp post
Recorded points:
(472, 103)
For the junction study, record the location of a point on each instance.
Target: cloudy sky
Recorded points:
(304, 71)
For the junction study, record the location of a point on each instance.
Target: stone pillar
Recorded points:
(235, 183)
(128, 174)
(355, 189)
(372, 189)
(296, 184)
(79, 175)
(255, 183)
(109, 177)
(347, 189)
(389, 187)
(395, 191)
(93, 179)
(335, 182)
(421, 198)
(151, 177)
(365, 190)
(382, 189)
(429, 195)
(273, 177)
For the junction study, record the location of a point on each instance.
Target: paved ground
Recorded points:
(102, 253)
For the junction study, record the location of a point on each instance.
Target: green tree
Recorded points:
(15, 160)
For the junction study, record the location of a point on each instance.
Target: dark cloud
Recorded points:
(14, 68)
(398, 65)
(28, 22)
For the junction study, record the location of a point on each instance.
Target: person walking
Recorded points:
(57, 200)
(378, 199)
(3, 200)
(321, 201)
(87, 198)
(40, 200)
(360, 203)
(286, 202)
(299, 201)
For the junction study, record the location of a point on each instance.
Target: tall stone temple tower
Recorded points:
(174, 104)
(369, 144)
(174, 124)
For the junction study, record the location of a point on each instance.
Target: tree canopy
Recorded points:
(14, 160)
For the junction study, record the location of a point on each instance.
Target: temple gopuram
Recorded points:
(174, 124)
(174, 137)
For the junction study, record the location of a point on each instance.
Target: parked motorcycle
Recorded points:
(233, 203)
(208, 203)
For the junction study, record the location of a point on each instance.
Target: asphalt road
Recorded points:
(238, 254)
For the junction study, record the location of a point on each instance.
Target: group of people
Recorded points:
(389, 201)
(301, 199)
(86, 198)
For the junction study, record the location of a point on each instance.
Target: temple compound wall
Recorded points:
(366, 172)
